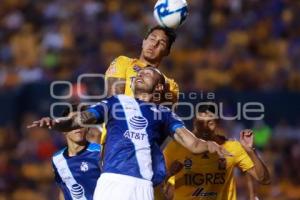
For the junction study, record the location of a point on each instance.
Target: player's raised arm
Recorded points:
(94, 114)
(67, 123)
(259, 172)
(187, 139)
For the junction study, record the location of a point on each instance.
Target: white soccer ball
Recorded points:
(170, 13)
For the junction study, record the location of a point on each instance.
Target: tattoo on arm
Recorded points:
(75, 122)
(115, 86)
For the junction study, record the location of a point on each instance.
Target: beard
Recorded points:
(203, 132)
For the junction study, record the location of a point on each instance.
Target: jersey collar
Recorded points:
(66, 155)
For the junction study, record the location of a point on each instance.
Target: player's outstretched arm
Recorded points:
(188, 140)
(67, 123)
(259, 172)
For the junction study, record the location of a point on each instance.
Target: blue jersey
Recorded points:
(135, 131)
(77, 175)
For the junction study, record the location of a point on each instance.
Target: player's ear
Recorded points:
(159, 87)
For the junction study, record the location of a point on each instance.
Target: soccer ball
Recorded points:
(170, 13)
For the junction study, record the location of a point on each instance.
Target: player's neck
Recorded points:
(74, 148)
(148, 62)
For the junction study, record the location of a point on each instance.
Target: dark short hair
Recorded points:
(170, 33)
(73, 108)
(206, 107)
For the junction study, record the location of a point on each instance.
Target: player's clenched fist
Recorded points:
(213, 147)
(246, 139)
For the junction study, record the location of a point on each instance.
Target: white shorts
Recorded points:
(121, 187)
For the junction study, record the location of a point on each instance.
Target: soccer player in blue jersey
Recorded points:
(76, 166)
(133, 161)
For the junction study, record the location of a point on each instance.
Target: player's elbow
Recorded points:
(263, 179)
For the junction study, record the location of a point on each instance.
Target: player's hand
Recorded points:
(246, 139)
(213, 147)
(45, 122)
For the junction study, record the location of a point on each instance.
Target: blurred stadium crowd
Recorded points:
(243, 45)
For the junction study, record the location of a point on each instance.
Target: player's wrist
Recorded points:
(250, 149)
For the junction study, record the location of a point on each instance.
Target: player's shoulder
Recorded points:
(122, 59)
(123, 97)
(232, 144)
(94, 147)
(163, 108)
(59, 152)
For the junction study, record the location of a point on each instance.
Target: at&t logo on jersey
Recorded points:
(138, 122)
(84, 167)
(137, 129)
(77, 191)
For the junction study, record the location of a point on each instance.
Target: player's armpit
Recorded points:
(115, 86)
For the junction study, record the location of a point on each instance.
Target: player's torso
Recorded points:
(134, 135)
(79, 174)
(204, 176)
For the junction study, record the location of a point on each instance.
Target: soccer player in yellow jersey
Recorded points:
(123, 70)
(208, 176)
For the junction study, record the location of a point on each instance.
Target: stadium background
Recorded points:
(241, 50)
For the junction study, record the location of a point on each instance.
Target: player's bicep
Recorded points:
(115, 86)
(242, 159)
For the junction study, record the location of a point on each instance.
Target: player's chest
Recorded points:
(79, 168)
(206, 162)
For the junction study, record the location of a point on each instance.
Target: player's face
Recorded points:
(146, 80)
(205, 124)
(155, 46)
(77, 136)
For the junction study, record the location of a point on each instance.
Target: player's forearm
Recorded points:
(262, 172)
(74, 122)
(61, 195)
(250, 187)
(190, 141)
(199, 146)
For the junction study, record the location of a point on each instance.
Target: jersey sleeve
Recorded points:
(101, 109)
(171, 121)
(242, 159)
(117, 68)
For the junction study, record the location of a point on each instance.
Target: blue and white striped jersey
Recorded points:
(77, 175)
(135, 131)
